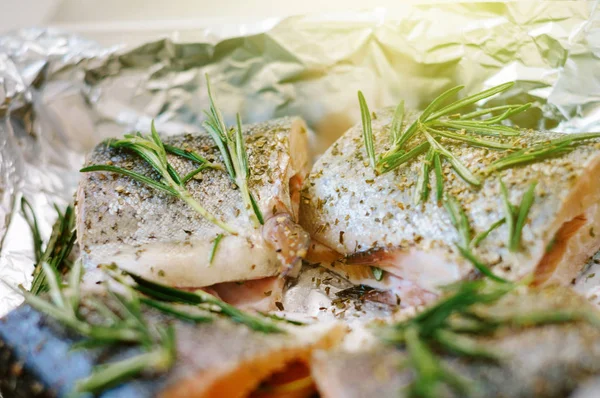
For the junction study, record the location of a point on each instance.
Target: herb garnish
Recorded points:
(541, 151)
(153, 151)
(436, 122)
(516, 215)
(215, 246)
(231, 144)
(196, 299)
(460, 221)
(59, 246)
(451, 326)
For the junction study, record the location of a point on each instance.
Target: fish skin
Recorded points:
(38, 359)
(548, 360)
(376, 213)
(148, 232)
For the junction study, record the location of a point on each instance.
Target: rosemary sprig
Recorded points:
(197, 298)
(59, 246)
(232, 147)
(516, 216)
(437, 122)
(460, 221)
(152, 150)
(541, 151)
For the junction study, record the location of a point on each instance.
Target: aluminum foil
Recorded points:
(61, 94)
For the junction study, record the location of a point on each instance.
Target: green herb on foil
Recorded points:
(153, 151)
(232, 147)
(57, 250)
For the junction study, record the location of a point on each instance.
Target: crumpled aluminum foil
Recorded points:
(61, 94)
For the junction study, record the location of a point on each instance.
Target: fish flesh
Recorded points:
(217, 359)
(549, 360)
(359, 219)
(161, 238)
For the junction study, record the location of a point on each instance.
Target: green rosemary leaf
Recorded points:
(470, 140)
(470, 100)
(428, 113)
(31, 220)
(377, 273)
(459, 219)
(481, 267)
(464, 346)
(240, 148)
(136, 176)
(281, 319)
(396, 159)
(215, 246)
(256, 210)
(479, 128)
(439, 177)
(509, 213)
(524, 207)
(541, 151)
(57, 250)
(481, 236)
(367, 129)
(193, 173)
(177, 313)
(397, 121)
(422, 189)
(114, 373)
(191, 155)
(457, 165)
(512, 108)
(508, 113)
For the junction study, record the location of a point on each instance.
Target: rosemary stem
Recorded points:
(185, 195)
(158, 360)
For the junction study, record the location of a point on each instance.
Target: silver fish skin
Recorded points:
(220, 358)
(545, 361)
(370, 219)
(161, 238)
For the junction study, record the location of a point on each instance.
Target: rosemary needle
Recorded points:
(233, 150)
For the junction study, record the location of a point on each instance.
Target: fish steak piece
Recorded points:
(362, 218)
(163, 239)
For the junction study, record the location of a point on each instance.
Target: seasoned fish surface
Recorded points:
(161, 238)
(373, 220)
(218, 359)
(544, 361)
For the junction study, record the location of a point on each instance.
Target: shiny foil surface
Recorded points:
(61, 94)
